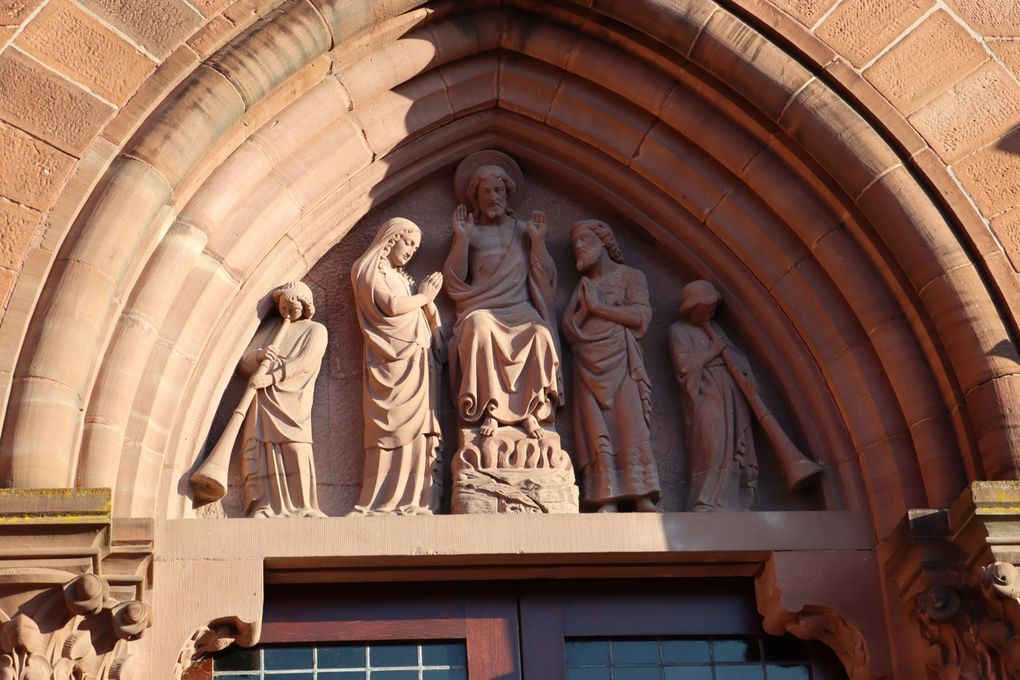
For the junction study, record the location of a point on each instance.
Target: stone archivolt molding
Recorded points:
(722, 146)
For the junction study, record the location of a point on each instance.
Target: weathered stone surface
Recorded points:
(972, 113)
(73, 42)
(860, 29)
(808, 12)
(990, 18)
(992, 175)
(934, 55)
(17, 227)
(1007, 230)
(13, 12)
(31, 171)
(1009, 52)
(49, 107)
(157, 25)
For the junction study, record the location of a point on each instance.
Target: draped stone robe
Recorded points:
(612, 393)
(504, 358)
(277, 464)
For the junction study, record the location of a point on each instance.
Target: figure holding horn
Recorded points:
(274, 416)
(721, 403)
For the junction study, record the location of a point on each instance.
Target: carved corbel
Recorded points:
(817, 609)
(214, 637)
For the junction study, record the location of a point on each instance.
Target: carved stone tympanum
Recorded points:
(504, 356)
(401, 379)
(607, 314)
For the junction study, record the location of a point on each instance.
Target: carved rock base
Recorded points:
(512, 472)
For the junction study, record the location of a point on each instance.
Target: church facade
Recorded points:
(509, 339)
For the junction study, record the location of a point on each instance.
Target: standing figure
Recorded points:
(276, 462)
(401, 379)
(504, 358)
(608, 312)
(720, 441)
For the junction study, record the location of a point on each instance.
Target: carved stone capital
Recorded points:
(74, 587)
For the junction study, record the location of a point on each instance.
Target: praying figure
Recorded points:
(402, 470)
(607, 315)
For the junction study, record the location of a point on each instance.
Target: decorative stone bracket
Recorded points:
(955, 570)
(831, 596)
(214, 637)
(74, 587)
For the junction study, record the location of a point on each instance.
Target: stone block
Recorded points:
(157, 25)
(13, 12)
(676, 24)
(472, 84)
(936, 54)
(73, 42)
(972, 113)
(861, 29)
(807, 12)
(210, 8)
(7, 279)
(991, 175)
(17, 227)
(527, 86)
(47, 106)
(1009, 52)
(212, 36)
(1007, 229)
(990, 18)
(31, 171)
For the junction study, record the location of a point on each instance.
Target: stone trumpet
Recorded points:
(797, 468)
(209, 481)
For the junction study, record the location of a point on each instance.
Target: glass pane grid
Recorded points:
(410, 661)
(684, 659)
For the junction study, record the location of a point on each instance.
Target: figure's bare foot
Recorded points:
(532, 427)
(645, 504)
(488, 427)
(608, 507)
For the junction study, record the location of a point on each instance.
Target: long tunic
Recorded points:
(504, 361)
(277, 464)
(720, 441)
(612, 393)
(401, 473)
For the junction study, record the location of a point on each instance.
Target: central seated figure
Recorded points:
(504, 357)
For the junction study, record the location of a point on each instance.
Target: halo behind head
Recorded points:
(470, 165)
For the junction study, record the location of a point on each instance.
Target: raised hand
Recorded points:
(431, 286)
(538, 226)
(463, 223)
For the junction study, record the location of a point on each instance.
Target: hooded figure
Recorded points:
(401, 378)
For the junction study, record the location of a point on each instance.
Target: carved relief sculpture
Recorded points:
(401, 376)
(720, 396)
(607, 314)
(274, 415)
(504, 356)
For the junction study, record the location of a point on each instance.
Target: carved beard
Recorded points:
(587, 259)
(494, 209)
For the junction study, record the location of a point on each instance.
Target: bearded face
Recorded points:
(587, 248)
(491, 199)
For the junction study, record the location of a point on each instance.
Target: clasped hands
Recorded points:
(268, 356)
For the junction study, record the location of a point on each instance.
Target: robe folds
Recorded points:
(612, 394)
(504, 354)
(276, 462)
(400, 396)
(720, 438)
